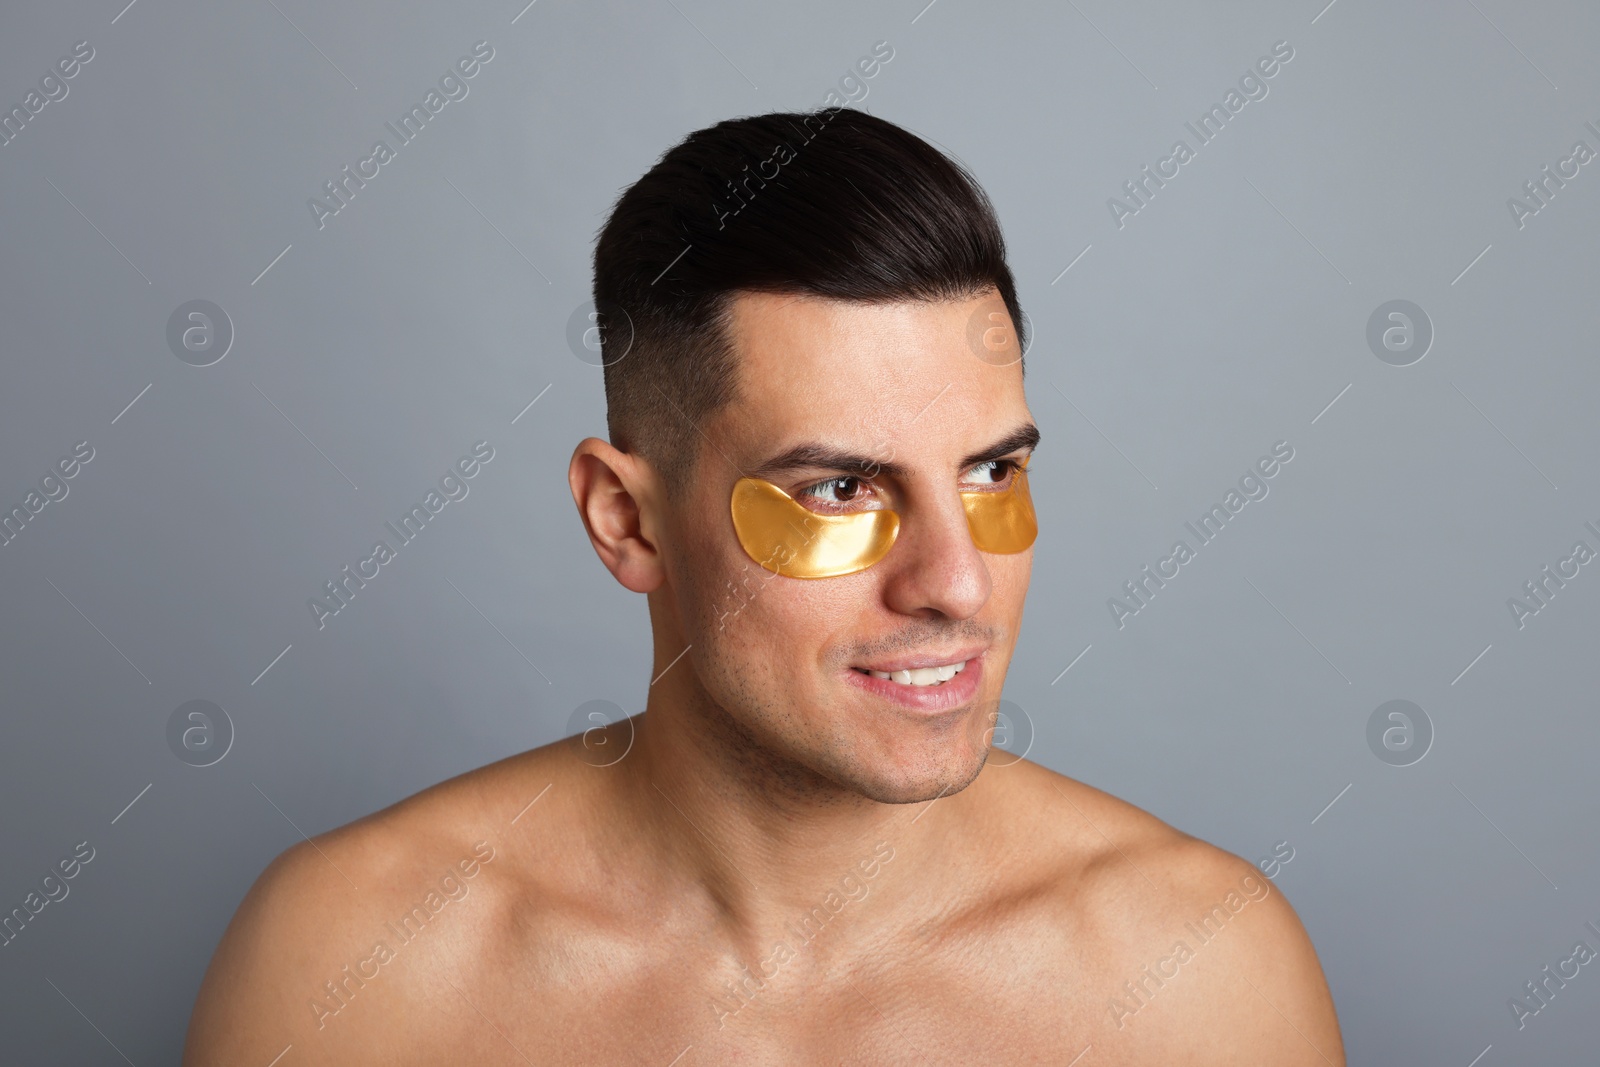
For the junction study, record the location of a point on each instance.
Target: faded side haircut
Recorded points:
(833, 203)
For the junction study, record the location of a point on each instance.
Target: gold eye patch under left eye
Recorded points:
(1002, 521)
(790, 539)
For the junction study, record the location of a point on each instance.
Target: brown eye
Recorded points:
(837, 492)
(995, 471)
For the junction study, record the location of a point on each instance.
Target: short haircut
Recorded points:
(833, 203)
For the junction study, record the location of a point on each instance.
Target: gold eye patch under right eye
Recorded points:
(788, 538)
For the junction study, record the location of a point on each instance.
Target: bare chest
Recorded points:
(1000, 1006)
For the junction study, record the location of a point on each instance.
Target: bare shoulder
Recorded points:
(345, 934)
(1196, 955)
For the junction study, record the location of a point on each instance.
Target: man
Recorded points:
(804, 850)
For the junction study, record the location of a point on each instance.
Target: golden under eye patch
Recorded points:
(788, 538)
(1002, 521)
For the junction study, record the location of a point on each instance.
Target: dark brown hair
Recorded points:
(833, 203)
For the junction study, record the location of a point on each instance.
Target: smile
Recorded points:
(921, 676)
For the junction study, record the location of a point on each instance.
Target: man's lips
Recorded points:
(940, 696)
(889, 665)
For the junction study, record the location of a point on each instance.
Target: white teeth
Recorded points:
(922, 675)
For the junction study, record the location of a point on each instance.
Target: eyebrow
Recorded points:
(822, 457)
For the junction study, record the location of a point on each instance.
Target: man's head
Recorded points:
(813, 301)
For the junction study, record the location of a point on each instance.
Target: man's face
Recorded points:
(787, 659)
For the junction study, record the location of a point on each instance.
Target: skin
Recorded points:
(649, 883)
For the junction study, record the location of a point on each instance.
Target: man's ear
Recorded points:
(617, 501)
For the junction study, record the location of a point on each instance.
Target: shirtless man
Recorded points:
(817, 471)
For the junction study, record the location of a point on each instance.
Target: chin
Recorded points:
(919, 784)
(915, 759)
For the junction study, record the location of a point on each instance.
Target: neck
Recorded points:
(766, 838)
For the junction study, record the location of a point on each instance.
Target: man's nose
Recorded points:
(934, 568)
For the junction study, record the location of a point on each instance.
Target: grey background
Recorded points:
(1223, 317)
